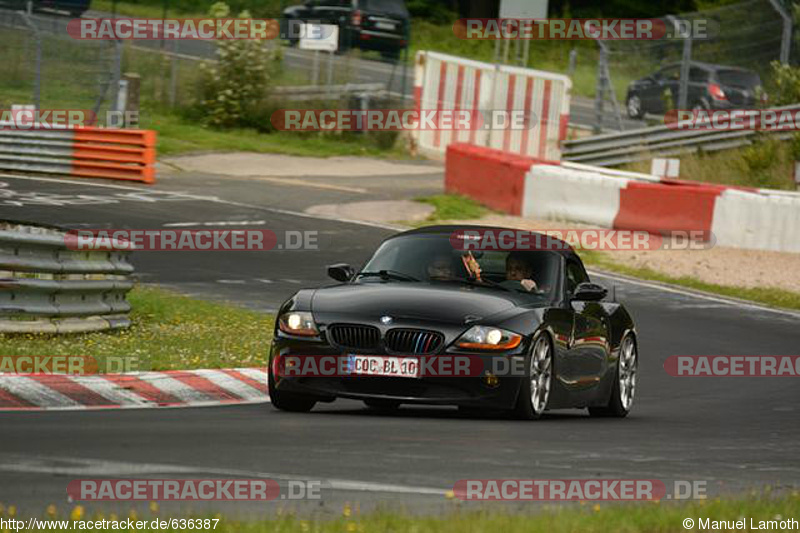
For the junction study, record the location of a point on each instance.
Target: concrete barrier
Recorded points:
(737, 217)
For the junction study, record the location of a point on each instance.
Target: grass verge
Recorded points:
(168, 332)
(178, 136)
(451, 207)
(584, 517)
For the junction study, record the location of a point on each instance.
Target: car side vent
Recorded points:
(354, 337)
(413, 341)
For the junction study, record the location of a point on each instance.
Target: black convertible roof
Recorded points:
(565, 250)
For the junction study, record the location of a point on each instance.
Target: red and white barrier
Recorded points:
(444, 82)
(736, 217)
(174, 388)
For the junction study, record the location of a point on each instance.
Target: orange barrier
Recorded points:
(114, 154)
(81, 152)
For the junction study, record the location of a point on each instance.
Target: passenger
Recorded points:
(519, 272)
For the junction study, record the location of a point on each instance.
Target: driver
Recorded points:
(441, 267)
(519, 272)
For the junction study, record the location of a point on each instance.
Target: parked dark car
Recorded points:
(414, 303)
(380, 25)
(74, 8)
(710, 87)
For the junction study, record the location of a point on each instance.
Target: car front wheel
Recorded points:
(288, 401)
(624, 391)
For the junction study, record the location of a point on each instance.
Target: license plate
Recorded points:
(384, 26)
(378, 365)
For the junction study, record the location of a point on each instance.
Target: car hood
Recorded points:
(409, 303)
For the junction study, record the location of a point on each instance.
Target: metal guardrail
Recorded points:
(82, 152)
(321, 92)
(640, 144)
(49, 288)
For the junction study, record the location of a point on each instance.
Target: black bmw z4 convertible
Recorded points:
(436, 317)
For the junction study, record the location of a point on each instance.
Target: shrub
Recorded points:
(234, 88)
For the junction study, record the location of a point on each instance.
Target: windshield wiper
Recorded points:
(388, 274)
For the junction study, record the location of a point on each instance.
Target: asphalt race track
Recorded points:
(732, 433)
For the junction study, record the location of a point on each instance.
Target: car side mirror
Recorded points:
(341, 272)
(589, 292)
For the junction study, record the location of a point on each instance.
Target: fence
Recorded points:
(749, 34)
(41, 65)
(48, 288)
(443, 82)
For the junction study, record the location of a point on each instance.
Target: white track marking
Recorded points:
(34, 392)
(176, 388)
(230, 383)
(220, 223)
(67, 466)
(255, 374)
(112, 391)
(692, 294)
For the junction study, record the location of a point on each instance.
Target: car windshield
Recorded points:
(432, 258)
(738, 78)
(389, 7)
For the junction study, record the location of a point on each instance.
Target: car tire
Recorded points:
(534, 393)
(288, 401)
(625, 377)
(382, 405)
(633, 105)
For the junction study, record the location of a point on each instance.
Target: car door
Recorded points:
(589, 347)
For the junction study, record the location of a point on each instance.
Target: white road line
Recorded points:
(220, 223)
(230, 383)
(176, 388)
(112, 391)
(83, 467)
(34, 392)
(693, 294)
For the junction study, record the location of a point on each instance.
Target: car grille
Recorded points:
(354, 337)
(413, 341)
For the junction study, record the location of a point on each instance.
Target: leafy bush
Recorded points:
(786, 82)
(234, 88)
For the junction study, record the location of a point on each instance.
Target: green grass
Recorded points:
(586, 518)
(168, 332)
(768, 163)
(177, 136)
(452, 207)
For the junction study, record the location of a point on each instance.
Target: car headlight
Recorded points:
(298, 323)
(488, 338)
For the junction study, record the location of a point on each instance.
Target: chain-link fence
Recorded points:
(748, 35)
(41, 65)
